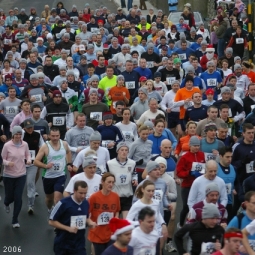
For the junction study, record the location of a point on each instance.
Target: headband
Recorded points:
(233, 234)
(247, 65)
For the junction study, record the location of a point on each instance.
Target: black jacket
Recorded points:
(51, 71)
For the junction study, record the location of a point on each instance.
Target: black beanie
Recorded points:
(189, 78)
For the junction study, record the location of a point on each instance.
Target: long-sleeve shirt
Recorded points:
(19, 118)
(15, 154)
(168, 102)
(197, 191)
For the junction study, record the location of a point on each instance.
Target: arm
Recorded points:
(132, 215)
(43, 113)
(39, 157)
(223, 194)
(69, 119)
(179, 236)
(245, 242)
(68, 155)
(6, 126)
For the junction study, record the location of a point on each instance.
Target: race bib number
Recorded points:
(7, 41)
(249, 168)
(239, 40)
(182, 56)
(158, 195)
(170, 80)
(122, 179)
(211, 82)
(104, 218)
(96, 116)
(186, 22)
(38, 98)
(228, 188)
(199, 167)
(209, 156)
(57, 167)
(32, 154)
(105, 143)
(93, 29)
(150, 64)
(130, 84)
(147, 251)
(11, 110)
(128, 136)
(78, 221)
(114, 104)
(207, 248)
(58, 121)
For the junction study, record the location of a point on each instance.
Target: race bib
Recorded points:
(78, 221)
(93, 29)
(182, 56)
(130, 84)
(67, 51)
(76, 93)
(228, 188)
(57, 167)
(147, 251)
(170, 80)
(207, 248)
(122, 179)
(38, 98)
(58, 121)
(96, 116)
(239, 40)
(21, 89)
(114, 104)
(186, 22)
(150, 64)
(7, 41)
(211, 82)
(105, 143)
(229, 113)
(11, 110)
(32, 154)
(128, 135)
(104, 218)
(249, 168)
(199, 167)
(209, 156)
(187, 105)
(158, 195)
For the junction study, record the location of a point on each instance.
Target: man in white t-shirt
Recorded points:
(145, 237)
(89, 176)
(102, 154)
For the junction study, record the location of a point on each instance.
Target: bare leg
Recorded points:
(49, 200)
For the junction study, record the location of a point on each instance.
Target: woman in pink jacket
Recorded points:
(14, 154)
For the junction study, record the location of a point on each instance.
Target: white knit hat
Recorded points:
(161, 160)
(119, 226)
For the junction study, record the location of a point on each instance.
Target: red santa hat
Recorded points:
(119, 226)
(209, 48)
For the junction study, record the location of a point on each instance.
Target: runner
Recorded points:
(56, 156)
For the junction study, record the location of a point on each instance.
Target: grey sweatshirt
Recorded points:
(138, 108)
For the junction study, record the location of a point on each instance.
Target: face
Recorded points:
(211, 171)
(194, 148)
(148, 223)
(108, 183)
(210, 68)
(192, 129)
(226, 159)
(250, 206)
(234, 244)
(126, 115)
(213, 197)
(212, 113)
(94, 145)
(170, 65)
(155, 174)
(197, 98)
(25, 107)
(81, 121)
(189, 84)
(248, 135)
(125, 238)
(251, 90)
(144, 134)
(8, 82)
(159, 127)
(54, 136)
(62, 72)
(123, 152)
(162, 168)
(36, 113)
(90, 170)
(222, 133)
(57, 100)
(109, 72)
(211, 223)
(153, 104)
(211, 134)
(226, 96)
(184, 46)
(148, 191)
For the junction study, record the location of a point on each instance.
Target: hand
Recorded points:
(100, 122)
(45, 136)
(124, 94)
(168, 110)
(120, 64)
(110, 145)
(50, 165)
(11, 164)
(134, 183)
(32, 99)
(28, 162)
(50, 124)
(92, 224)
(215, 152)
(178, 181)
(44, 98)
(224, 225)
(70, 168)
(170, 208)
(164, 232)
(73, 230)
(234, 192)
(242, 249)
(78, 149)
(187, 100)
(3, 138)
(217, 245)
(71, 106)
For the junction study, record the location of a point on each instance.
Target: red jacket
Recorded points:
(204, 61)
(184, 166)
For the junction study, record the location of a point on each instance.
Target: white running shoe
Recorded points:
(16, 225)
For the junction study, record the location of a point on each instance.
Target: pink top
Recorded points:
(17, 155)
(19, 118)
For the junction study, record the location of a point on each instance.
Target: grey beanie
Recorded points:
(237, 66)
(2, 95)
(149, 124)
(210, 211)
(91, 90)
(190, 69)
(95, 136)
(150, 45)
(236, 58)
(66, 35)
(94, 78)
(122, 144)
(225, 89)
(62, 68)
(211, 187)
(23, 60)
(151, 165)
(87, 161)
(194, 140)
(120, 77)
(16, 129)
(229, 50)
(143, 90)
(33, 76)
(40, 75)
(70, 72)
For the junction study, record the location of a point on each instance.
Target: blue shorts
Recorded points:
(50, 185)
(173, 119)
(183, 125)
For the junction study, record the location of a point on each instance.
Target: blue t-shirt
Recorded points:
(156, 143)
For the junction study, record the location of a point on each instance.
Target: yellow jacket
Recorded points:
(139, 38)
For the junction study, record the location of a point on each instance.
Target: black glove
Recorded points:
(139, 162)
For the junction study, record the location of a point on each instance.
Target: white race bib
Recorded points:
(147, 251)
(105, 143)
(207, 248)
(249, 168)
(58, 121)
(122, 179)
(38, 98)
(7, 41)
(150, 64)
(158, 195)
(93, 29)
(114, 104)
(21, 89)
(32, 154)
(57, 167)
(128, 135)
(104, 218)
(130, 84)
(209, 156)
(239, 40)
(96, 116)
(211, 82)
(186, 22)
(76, 93)
(78, 221)
(182, 56)
(11, 110)
(229, 113)
(228, 188)
(199, 167)
(170, 80)
(252, 106)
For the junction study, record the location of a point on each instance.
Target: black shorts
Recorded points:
(60, 251)
(126, 203)
(50, 185)
(173, 119)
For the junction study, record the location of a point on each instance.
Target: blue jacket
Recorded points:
(169, 135)
(4, 89)
(144, 72)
